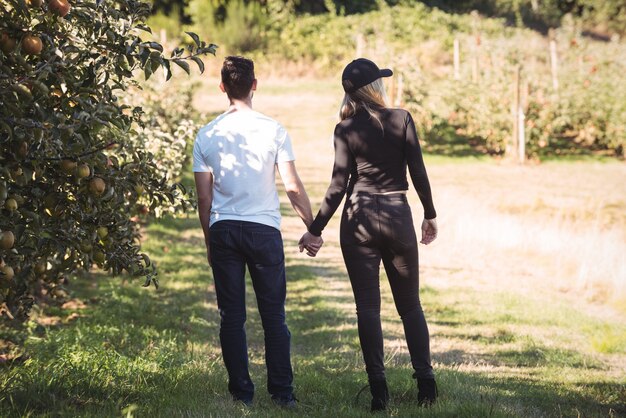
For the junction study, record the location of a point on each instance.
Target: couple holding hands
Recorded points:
(234, 161)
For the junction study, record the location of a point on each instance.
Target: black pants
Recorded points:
(235, 245)
(374, 228)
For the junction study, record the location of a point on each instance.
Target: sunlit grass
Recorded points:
(157, 352)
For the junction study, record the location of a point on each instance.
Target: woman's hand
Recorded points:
(311, 243)
(429, 231)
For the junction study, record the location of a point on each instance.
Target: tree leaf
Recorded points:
(147, 71)
(211, 49)
(195, 38)
(144, 28)
(7, 128)
(146, 259)
(155, 60)
(167, 71)
(182, 64)
(198, 61)
(177, 52)
(155, 45)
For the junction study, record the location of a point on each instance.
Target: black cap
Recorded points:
(361, 72)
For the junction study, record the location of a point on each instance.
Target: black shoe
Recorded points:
(380, 395)
(246, 402)
(427, 392)
(285, 402)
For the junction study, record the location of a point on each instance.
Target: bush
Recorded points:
(73, 175)
(168, 125)
(606, 15)
(329, 42)
(586, 114)
(169, 22)
(237, 25)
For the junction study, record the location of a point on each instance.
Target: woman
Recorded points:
(373, 147)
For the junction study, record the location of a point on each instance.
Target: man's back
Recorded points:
(241, 149)
(234, 161)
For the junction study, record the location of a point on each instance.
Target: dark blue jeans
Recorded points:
(235, 245)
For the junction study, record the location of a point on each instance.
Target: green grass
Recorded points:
(154, 352)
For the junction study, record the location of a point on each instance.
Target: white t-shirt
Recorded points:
(241, 149)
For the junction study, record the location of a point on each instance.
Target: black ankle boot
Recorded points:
(427, 391)
(380, 395)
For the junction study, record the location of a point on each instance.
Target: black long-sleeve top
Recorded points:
(371, 159)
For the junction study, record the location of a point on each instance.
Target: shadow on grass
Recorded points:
(473, 394)
(540, 394)
(159, 351)
(536, 355)
(316, 309)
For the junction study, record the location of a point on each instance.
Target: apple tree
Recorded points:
(73, 177)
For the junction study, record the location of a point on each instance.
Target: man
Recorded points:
(234, 160)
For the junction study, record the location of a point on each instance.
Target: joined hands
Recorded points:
(310, 243)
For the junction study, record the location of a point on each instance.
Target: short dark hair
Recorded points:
(237, 76)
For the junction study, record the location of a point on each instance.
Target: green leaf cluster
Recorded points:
(74, 179)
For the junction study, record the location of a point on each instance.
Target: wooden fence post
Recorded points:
(360, 45)
(400, 94)
(457, 59)
(554, 61)
(516, 148)
(534, 4)
(475, 65)
(522, 97)
(516, 104)
(521, 135)
(476, 49)
(392, 91)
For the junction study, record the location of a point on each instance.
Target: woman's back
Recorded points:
(374, 160)
(378, 149)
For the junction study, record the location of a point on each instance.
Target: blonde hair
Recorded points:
(367, 97)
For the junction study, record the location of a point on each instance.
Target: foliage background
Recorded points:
(585, 115)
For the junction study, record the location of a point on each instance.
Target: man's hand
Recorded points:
(310, 243)
(429, 231)
(208, 255)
